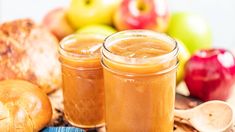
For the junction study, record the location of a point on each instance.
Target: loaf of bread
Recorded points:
(23, 107)
(29, 52)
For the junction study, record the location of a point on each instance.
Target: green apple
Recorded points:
(183, 57)
(191, 29)
(97, 28)
(86, 12)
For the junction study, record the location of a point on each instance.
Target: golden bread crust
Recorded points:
(29, 52)
(23, 106)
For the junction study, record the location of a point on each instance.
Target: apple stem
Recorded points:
(140, 5)
(87, 2)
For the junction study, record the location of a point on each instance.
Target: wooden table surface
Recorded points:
(182, 102)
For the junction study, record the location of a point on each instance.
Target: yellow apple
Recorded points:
(102, 29)
(183, 57)
(86, 12)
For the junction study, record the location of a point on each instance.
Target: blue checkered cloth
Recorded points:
(62, 129)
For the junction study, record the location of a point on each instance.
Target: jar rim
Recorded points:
(73, 38)
(139, 33)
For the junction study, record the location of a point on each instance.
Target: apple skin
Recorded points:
(183, 57)
(142, 14)
(210, 74)
(105, 30)
(87, 12)
(55, 20)
(191, 29)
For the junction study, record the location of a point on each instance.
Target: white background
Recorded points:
(219, 13)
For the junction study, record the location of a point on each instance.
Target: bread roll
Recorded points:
(29, 52)
(23, 107)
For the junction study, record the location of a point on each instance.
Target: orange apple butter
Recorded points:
(139, 80)
(82, 75)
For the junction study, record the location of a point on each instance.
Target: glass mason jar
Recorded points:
(82, 75)
(139, 79)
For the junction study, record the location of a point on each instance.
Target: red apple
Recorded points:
(210, 74)
(142, 14)
(57, 23)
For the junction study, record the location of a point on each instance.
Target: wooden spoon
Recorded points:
(211, 116)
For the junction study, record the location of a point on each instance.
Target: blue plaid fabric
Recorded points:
(62, 129)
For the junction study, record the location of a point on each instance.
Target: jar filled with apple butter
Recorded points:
(82, 75)
(139, 79)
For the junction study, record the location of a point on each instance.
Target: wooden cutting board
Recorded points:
(183, 101)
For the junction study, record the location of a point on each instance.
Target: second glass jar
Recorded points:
(139, 79)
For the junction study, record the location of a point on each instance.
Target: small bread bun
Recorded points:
(23, 107)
